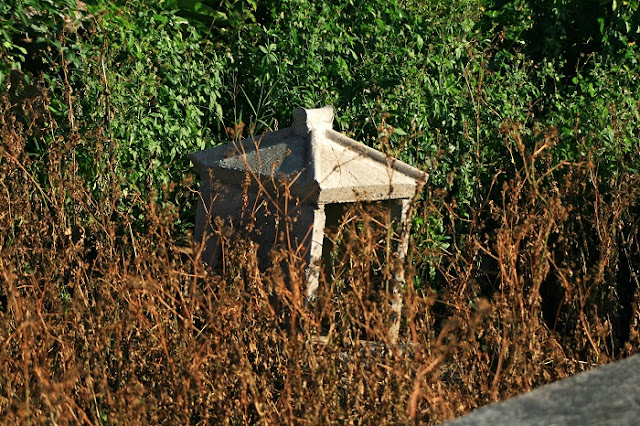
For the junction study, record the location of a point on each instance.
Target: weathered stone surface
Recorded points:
(607, 395)
(319, 164)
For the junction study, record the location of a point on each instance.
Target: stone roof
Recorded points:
(319, 164)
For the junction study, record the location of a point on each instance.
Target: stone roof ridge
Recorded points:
(313, 158)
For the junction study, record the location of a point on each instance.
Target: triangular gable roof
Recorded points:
(320, 164)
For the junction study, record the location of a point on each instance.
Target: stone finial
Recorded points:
(308, 120)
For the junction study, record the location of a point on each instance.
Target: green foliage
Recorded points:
(159, 82)
(214, 15)
(146, 78)
(622, 29)
(434, 83)
(27, 28)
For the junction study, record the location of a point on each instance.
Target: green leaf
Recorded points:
(160, 18)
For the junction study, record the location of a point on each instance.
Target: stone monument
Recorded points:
(292, 177)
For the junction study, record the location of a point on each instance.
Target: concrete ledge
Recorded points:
(606, 395)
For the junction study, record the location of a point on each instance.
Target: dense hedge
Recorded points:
(441, 80)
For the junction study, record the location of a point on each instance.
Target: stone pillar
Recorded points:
(400, 213)
(315, 252)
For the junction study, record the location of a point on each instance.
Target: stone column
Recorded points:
(315, 252)
(400, 214)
